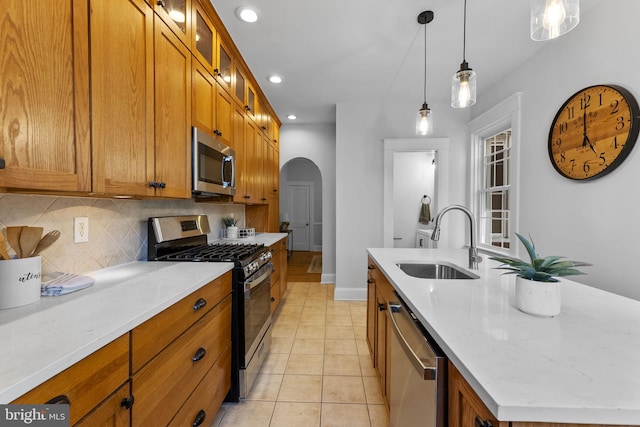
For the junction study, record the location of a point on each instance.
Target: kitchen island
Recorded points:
(582, 366)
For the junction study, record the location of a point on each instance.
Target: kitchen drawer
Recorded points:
(88, 382)
(152, 336)
(201, 407)
(163, 385)
(112, 412)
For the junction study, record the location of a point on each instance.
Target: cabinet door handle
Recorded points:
(369, 281)
(273, 299)
(153, 184)
(199, 304)
(161, 3)
(127, 402)
(370, 267)
(58, 400)
(479, 422)
(199, 419)
(381, 307)
(199, 354)
(2, 164)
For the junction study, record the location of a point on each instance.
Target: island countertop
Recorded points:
(582, 366)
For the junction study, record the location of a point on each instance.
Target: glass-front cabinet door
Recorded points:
(177, 15)
(223, 72)
(203, 38)
(240, 86)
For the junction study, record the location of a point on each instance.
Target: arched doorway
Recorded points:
(301, 203)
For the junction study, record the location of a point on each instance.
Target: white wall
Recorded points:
(595, 221)
(317, 142)
(359, 176)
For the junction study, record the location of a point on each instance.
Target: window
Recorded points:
(494, 164)
(493, 192)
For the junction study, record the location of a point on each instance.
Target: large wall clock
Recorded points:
(593, 132)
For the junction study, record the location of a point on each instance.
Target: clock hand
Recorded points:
(586, 140)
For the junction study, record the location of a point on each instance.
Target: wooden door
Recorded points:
(44, 96)
(203, 38)
(223, 73)
(250, 135)
(224, 116)
(111, 412)
(465, 407)
(122, 98)
(173, 114)
(299, 209)
(381, 341)
(176, 14)
(241, 154)
(203, 96)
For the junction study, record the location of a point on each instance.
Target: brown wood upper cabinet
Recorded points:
(141, 102)
(212, 105)
(177, 15)
(44, 96)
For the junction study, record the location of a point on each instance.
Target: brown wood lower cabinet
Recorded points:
(88, 383)
(279, 273)
(113, 412)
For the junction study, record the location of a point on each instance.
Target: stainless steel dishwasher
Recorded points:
(418, 395)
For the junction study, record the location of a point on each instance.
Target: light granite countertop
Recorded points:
(582, 366)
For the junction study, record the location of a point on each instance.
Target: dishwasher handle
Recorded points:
(426, 372)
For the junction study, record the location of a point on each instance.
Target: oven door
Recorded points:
(257, 309)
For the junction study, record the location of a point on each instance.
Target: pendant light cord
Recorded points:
(464, 33)
(425, 62)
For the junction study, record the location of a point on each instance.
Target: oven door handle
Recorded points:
(252, 283)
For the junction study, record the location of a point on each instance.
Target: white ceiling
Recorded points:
(370, 51)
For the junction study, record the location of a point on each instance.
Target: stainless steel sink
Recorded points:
(437, 270)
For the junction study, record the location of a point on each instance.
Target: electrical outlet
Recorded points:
(80, 229)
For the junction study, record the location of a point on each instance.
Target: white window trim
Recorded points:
(506, 114)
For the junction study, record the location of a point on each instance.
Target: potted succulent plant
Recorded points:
(232, 230)
(537, 284)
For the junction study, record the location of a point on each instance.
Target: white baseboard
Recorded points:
(327, 279)
(350, 294)
(316, 248)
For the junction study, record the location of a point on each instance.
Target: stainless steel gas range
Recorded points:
(184, 238)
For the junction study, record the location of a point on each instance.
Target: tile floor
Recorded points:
(318, 373)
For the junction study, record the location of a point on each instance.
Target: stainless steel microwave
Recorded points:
(214, 166)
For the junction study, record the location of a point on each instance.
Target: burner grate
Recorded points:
(218, 252)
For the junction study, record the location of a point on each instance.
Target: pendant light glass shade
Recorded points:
(463, 87)
(553, 18)
(424, 121)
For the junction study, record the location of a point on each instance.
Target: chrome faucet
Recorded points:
(474, 258)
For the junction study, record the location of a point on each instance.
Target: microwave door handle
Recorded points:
(230, 183)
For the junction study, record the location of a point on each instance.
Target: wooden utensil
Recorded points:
(3, 247)
(13, 237)
(46, 241)
(29, 238)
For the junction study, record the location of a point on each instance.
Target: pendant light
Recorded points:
(553, 18)
(424, 119)
(463, 83)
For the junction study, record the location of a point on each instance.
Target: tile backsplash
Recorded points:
(117, 228)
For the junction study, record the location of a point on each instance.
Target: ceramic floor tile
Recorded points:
(301, 388)
(295, 414)
(266, 387)
(378, 416)
(340, 364)
(343, 415)
(340, 332)
(281, 344)
(291, 319)
(275, 363)
(358, 320)
(363, 347)
(310, 331)
(360, 332)
(366, 366)
(307, 319)
(308, 346)
(343, 390)
(248, 413)
(338, 346)
(372, 391)
(284, 331)
(343, 320)
(305, 364)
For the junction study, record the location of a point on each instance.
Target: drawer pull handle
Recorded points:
(370, 267)
(199, 354)
(199, 419)
(199, 304)
(59, 400)
(369, 281)
(127, 402)
(273, 299)
(381, 307)
(482, 423)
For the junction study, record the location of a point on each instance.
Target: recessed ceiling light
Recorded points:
(247, 14)
(291, 117)
(275, 79)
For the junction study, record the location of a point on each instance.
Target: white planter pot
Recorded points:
(232, 232)
(541, 299)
